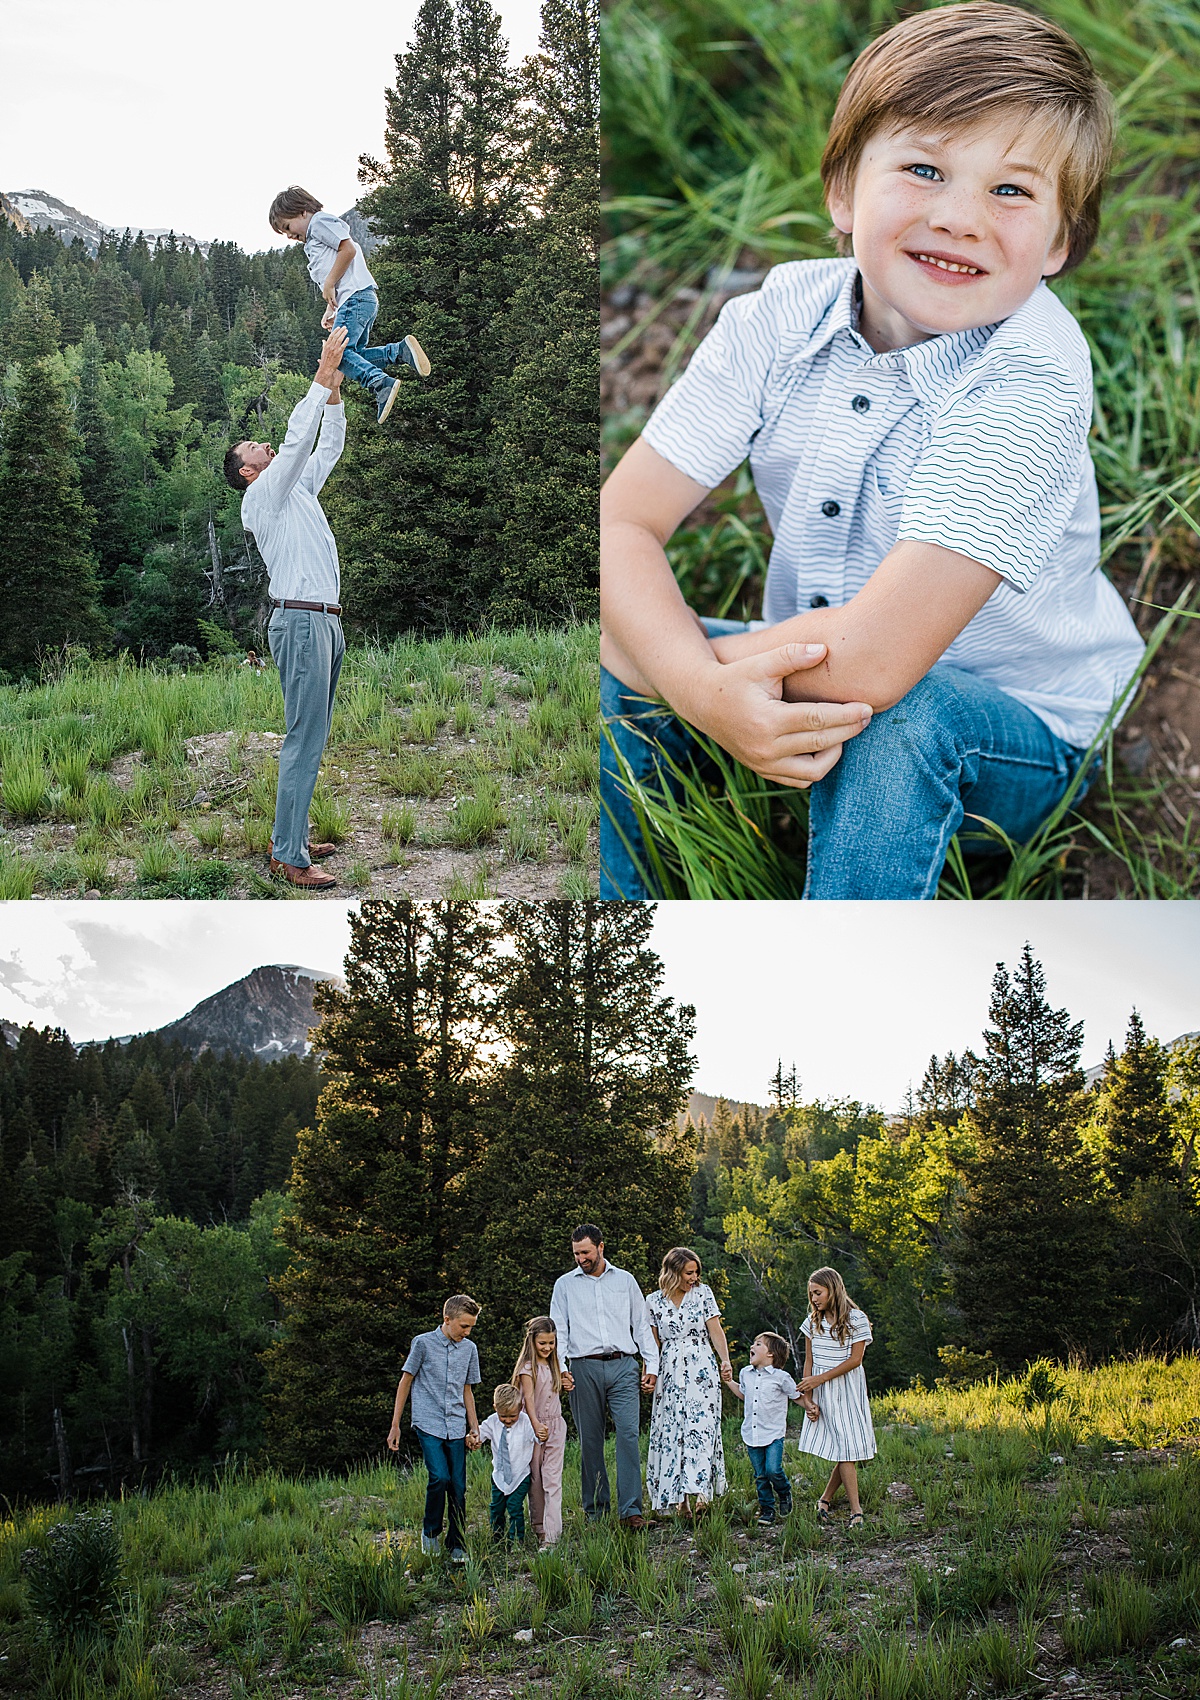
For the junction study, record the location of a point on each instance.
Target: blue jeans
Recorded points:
(880, 823)
(511, 1505)
(446, 1461)
(365, 365)
(769, 1479)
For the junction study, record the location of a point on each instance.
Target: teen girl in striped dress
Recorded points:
(836, 1334)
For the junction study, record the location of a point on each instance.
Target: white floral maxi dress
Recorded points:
(843, 1433)
(686, 1455)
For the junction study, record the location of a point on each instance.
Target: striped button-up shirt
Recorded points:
(975, 440)
(282, 511)
(594, 1314)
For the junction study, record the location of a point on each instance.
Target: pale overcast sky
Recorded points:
(193, 116)
(858, 995)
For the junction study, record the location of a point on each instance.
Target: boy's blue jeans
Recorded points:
(446, 1461)
(365, 365)
(769, 1479)
(512, 1504)
(881, 821)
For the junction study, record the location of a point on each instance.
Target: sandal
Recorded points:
(823, 1511)
(856, 1520)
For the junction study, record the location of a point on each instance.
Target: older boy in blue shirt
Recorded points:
(441, 1370)
(938, 638)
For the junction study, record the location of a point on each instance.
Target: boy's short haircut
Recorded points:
(232, 468)
(948, 69)
(587, 1231)
(459, 1304)
(778, 1347)
(506, 1399)
(290, 202)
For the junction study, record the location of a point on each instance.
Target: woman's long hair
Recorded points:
(670, 1276)
(528, 1360)
(838, 1314)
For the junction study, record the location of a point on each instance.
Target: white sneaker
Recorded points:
(458, 1555)
(431, 1544)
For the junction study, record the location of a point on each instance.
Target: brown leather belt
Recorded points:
(312, 607)
(604, 1357)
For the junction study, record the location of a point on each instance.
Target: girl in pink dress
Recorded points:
(538, 1376)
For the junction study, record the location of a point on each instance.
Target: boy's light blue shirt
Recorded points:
(975, 440)
(440, 1368)
(324, 236)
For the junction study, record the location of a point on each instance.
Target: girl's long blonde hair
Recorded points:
(840, 1304)
(670, 1276)
(527, 1359)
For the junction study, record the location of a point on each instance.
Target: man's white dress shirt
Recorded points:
(281, 508)
(601, 1313)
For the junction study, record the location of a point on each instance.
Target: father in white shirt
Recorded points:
(600, 1315)
(281, 510)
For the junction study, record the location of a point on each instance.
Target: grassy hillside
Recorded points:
(1040, 1538)
(462, 767)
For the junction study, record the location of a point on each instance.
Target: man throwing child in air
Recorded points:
(281, 510)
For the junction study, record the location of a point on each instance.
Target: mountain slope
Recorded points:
(268, 1014)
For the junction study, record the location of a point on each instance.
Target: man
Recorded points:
(280, 508)
(599, 1314)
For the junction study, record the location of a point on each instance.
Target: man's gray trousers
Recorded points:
(611, 1386)
(308, 649)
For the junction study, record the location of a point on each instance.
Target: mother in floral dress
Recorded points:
(686, 1459)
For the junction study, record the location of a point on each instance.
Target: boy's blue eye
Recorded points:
(918, 170)
(1011, 189)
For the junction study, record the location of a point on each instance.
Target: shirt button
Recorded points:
(831, 509)
(861, 404)
(818, 601)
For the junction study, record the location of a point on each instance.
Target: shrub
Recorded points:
(74, 1579)
(963, 1368)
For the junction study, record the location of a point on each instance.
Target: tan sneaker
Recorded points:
(416, 356)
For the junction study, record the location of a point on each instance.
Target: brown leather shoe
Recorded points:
(313, 878)
(637, 1524)
(317, 852)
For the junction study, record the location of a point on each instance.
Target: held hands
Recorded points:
(791, 744)
(331, 356)
(473, 1441)
(568, 1381)
(727, 1374)
(542, 1430)
(648, 1383)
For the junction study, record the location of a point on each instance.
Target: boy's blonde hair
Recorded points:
(506, 1400)
(459, 1304)
(289, 202)
(956, 66)
(527, 1359)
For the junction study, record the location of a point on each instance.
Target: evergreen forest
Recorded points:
(125, 376)
(208, 1257)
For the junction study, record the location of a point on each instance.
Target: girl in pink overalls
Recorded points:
(538, 1376)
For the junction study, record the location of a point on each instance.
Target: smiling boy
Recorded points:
(938, 637)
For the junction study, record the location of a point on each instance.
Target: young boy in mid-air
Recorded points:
(440, 1370)
(337, 267)
(511, 1436)
(938, 638)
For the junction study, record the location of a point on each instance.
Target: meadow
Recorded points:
(461, 767)
(1034, 1537)
(715, 115)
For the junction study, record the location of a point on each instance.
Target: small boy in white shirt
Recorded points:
(337, 267)
(510, 1434)
(765, 1387)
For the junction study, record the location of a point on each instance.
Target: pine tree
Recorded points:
(1134, 1119)
(377, 1213)
(34, 331)
(1031, 1259)
(101, 483)
(581, 1125)
(47, 572)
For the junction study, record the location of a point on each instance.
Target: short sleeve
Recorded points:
(806, 1327)
(707, 420)
(788, 1384)
(473, 1374)
(416, 1356)
(860, 1327)
(324, 227)
(709, 1305)
(1000, 477)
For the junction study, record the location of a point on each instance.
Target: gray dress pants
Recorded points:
(308, 649)
(614, 1388)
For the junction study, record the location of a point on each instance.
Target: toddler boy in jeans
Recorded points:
(337, 267)
(440, 1370)
(765, 1387)
(511, 1436)
(938, 638)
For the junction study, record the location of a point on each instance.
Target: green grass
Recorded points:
(100, 748)
(262, 1584)
(716, 112)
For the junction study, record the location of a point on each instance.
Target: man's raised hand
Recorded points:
(331, 356)
(789, 743)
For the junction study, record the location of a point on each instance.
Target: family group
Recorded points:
(604, 1344)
